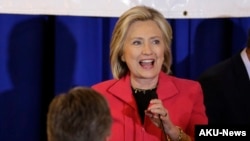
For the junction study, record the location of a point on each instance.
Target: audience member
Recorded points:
(81, 114)
(226, 88)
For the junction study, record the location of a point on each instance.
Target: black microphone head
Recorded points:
(154, 95)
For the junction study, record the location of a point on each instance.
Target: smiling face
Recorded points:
(144, 50)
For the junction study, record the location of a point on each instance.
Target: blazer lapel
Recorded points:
(242, 80)
(241, 73)
(122, 90)
(167, 88)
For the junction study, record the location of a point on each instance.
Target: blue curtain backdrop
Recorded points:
(41, 56)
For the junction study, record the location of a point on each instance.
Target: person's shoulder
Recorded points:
(184, 85)
(183, 81)
(104, 84)
(217, 69)
(220, 68)
(171, 77)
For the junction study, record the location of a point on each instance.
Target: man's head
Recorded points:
(81, 114)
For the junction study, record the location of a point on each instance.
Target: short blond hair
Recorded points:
(137, 13)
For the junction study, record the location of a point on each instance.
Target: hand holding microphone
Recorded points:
(159, 116)
(155, 110)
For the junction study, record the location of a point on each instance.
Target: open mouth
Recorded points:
(147, 63)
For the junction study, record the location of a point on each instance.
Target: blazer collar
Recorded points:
(166, 87)
(122, 89)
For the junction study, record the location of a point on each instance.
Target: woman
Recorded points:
(148, 104)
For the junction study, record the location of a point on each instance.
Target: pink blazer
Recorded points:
(182, 98)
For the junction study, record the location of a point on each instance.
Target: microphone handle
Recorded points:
(155, 96)
(162, 127)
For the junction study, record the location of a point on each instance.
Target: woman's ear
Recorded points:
(122, 58)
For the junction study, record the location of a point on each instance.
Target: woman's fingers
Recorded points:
(157, 108)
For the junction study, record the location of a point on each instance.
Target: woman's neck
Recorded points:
(144, 84)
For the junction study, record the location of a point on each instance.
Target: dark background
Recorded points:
(41, 56)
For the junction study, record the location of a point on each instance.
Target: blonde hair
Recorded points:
(137, 13)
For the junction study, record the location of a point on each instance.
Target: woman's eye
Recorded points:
(136, 43)
(156, 42)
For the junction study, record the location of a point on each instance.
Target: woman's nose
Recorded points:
(147, 49)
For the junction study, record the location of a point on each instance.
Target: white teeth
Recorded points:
(147, 61)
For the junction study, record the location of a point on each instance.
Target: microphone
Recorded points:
(155, 96)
